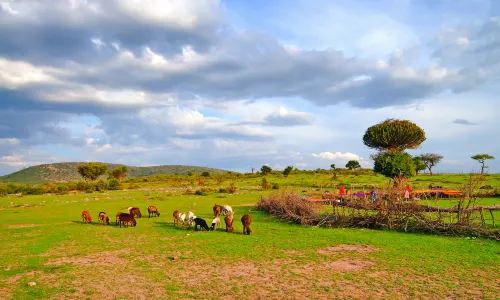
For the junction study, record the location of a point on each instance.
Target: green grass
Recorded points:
(72, 260)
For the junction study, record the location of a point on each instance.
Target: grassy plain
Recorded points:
(46, 242)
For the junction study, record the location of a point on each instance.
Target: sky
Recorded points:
(237, 84)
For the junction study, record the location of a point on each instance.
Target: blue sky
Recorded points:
(238, 84)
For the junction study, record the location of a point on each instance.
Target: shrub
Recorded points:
(89, 187)
(231, 189)
(38, 190)
(276, 186)
(205, 174)
(114, 184)
(101, 185)
(395, 165)
(265, 184)
(81, 186)
(3, 191)
(61, 189)
(133, 186)
(486, 187)
(203, 191)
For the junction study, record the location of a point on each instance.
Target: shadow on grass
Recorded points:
(111, 224)
(171, 225)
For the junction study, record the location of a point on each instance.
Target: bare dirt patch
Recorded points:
(97, 259)
(344, 247)
(23, 225)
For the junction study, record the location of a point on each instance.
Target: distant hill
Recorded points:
(60, 172)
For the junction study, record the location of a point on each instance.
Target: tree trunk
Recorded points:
(482, 168)
(430, 171)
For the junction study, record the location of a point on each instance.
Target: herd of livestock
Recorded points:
(128, 219)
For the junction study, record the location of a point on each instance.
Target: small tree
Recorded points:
(430, 160)
(396, 165)
(394, 136)
(353, 165)
(481, 158)
(205, 174)
(419, 164)
(287, 171)
(92, 171)
(119, 173)
(266, 170)
(332, 166)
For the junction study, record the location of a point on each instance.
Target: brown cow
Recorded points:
(86, 217)
(118, 217)
(152, 210)
(104, 218)
(229, 222)
(134, 211)
(125, 219)
(216, 210)
(246, 220)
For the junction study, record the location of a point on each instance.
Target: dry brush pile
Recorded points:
(390, 212)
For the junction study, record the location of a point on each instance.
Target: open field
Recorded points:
(46, 242)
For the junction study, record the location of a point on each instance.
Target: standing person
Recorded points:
(341, 190)
(407, 192)
(374, 195)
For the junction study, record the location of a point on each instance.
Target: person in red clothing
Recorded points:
(341, 190)
(407, 192)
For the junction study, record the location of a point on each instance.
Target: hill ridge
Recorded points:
(67, 171)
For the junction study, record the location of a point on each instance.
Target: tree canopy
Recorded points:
(265, 170)
(119, 173)
(394, 136)
(287, 171)
(395, 165)
(430, 160)
(419, 164)
(481, 158)
(353, 165)
(92, 170)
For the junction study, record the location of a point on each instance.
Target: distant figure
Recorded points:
(430, 186)
(348, 192)
(341, 190)
(200, 181)
(374, 195)
(407, 192)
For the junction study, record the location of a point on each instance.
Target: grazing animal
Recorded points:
(126, 219)
(134, 211)
(86, 217)
(191, 217)
(104, 218)
(229, 222)
(183, 218)
(118, 217)
(177, 217)
(129, 208)
(200, 222)
(215, 223)
(152, 210)
(226, 209)
(246, 220)
(216, 210)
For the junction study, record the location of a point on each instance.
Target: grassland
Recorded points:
(46, 242)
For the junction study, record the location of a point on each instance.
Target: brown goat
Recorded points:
(103, 217)
(118, 217)
(86, 217)
(125, 219)
(153, 211)
(216, 210)
(246, 220)
(229, 222)
(134, 211)
(177, 217)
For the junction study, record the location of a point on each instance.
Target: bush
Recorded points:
(231, 189)
(265, 184)
(71, 185)
(80, 185)
(205, 174)
(203, 191)
(114, 184)
(101, 186)
(486, 187)
(3, 191)
(38, 190)
(61, 189)
(89, 187)
(133, 186)
(276, 186)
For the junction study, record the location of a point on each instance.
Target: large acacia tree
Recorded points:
(430, 160)
(481, 158)
(92, 170)
(391, 138)
(119, 173)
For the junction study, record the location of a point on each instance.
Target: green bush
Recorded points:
(203, 191)
(3, 191)
(89, 187)
(61, 189)
(205, 174)
(114, 184)
(38, 190)
(276, 186)
(101, 185)
(231, 189)
(81, 186)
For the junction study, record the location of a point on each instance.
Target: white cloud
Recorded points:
(9, 141)
(14, 74)
(337, 156)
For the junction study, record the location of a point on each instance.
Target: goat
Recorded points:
(134, 211)
(226, 209)
(183, 218)
(216, 210)
(86, 217)
(125, 219)
(229, 222)
(200, 222)
(152, 210)
(246, 220)
(104, 218)
(118, 217)
(215, 223)
(177, 217)
(191, 217)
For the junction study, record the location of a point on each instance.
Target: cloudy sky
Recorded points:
(237, 84)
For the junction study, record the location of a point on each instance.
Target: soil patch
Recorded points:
(97, 259)
(23, 225)
(340, 248)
